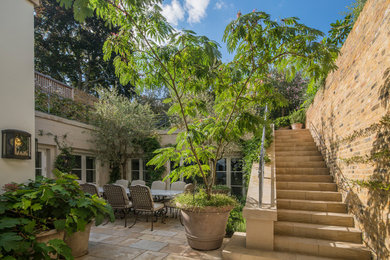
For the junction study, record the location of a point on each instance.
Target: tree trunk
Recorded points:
(124, 169)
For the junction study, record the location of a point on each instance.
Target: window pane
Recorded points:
(221, 178)
(38, 172)
(135, 175)
(135, 164)
(77, 172)
(236, 178)
(77, 162)
(236, 164)
(38, 160)
(90, 162)
(221, 165)
(91, 176)
(237, 191)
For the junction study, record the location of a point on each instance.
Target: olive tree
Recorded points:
(120, 123)
(216, 102)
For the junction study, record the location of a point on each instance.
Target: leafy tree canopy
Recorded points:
(120, 124)
(71, 51)
(217, 103)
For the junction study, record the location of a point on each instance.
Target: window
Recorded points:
(38, 164)
(90, 169)
(135, 169)
(221, 172)
(237, 180)
(77, 168)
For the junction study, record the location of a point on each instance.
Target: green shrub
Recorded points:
(199, 200)
(282, 122)
(298, 116)
(29, 209)
(236, 222)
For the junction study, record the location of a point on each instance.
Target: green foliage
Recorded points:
(298, 116)
(217, 103)
(42, 205)
(62, 107)
(71, 51)
(115, 173)
(65, 160)
(148, 146)
(120, 124)
(200, 200)
(236, 222)
(282, 122)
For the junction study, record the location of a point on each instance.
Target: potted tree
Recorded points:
(297, 119)
(217, 103)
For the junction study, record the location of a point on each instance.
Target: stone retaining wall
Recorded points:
(356, 96)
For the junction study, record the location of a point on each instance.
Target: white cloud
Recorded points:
(196, 9)
(174, 12)
(219, 5)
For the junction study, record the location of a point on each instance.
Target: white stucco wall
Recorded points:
(17, 82)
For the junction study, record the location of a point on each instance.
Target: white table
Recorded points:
(164, 193)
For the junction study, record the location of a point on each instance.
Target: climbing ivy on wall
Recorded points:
(379, 156)
(62, 107)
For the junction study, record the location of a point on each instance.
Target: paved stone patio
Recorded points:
(166, 241)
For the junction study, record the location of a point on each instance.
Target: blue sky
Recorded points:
(210, 17)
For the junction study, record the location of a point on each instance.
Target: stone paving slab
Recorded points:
(166, 241)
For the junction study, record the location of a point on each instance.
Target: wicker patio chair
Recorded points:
(90, 188)
(143, 203)
(124, 183)
(117, 197)
(137, 182)
(178, 185)
(158, 185)
(189, 188)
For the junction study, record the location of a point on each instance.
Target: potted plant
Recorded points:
(297, 119)
(36, 217)
(282, 123)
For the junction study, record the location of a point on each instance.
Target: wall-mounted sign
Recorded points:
(16, 144)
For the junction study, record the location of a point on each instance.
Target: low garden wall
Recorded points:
(351, 116)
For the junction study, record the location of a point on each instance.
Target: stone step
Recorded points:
(336, 233)
(295, 148)
(300, 164)
(293, 144)
(304, 178)
(294, 139)
(302, 171)
(297, 153)
(314, 186)
(299, 158)
(292, 132)
(312, 205)
(316, 217)
(324, 248)
(309, 195)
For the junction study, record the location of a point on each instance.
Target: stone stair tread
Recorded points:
(314, 212)
(320, 247)
(310, 195)
(313, 201)
(313, 186)
(318, 226)
(323, 178)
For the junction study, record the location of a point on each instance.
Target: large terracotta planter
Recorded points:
(205, 228)
(78, 241)
(296, 126)
(46, 236)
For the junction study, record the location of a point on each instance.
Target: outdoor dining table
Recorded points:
(163, 193)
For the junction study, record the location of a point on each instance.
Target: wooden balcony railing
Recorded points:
(52, 86)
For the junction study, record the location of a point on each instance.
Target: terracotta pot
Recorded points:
(296, 126)
(205, 228)
(78, 241)
(46, 236)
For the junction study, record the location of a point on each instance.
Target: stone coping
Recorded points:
(63, 120)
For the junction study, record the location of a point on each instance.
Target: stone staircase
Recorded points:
(312, 219)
